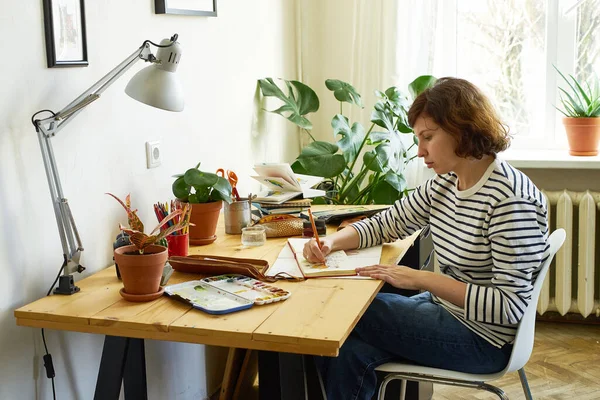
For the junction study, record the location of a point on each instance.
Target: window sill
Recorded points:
(549, 159)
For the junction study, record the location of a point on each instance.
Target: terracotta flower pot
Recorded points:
(583, 135)
(141, 273)
(204, 217)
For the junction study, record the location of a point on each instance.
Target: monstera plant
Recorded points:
(363, 166)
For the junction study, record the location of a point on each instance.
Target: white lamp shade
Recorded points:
(157, 88)
(158, 85)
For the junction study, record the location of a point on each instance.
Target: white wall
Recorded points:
(103, 150)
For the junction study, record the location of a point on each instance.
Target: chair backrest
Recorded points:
(523, 344)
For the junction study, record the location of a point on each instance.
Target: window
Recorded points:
(508, 49)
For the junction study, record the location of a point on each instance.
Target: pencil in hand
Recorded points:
(314, 228)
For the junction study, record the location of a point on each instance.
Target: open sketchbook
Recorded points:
(339, 263)
(283, 184)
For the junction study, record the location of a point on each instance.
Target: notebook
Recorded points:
(340, 263)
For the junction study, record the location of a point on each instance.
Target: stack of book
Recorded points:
(284, 185)
(294, 207)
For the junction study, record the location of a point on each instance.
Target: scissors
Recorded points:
(233, 180)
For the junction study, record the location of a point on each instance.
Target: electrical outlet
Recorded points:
(153, 156)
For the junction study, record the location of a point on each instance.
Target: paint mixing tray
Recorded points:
(248, 288)
(226, 293)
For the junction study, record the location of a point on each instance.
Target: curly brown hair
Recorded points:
(462, 110)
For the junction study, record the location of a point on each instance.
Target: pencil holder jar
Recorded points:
(237, 216)
(254, 236)
(178, 245)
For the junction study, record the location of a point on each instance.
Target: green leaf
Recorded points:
(384, 193)
(181, 190)
(344, 92)
(581, 91)
(423, 82)
(320, 159)
(200, 180)
(572, 104)
(269, 88)
(397, 181)
(375, 161)
(582, 102)
(351, 137)
(390, 151)
(298, 168)
(383, 119)
(221, 190)
(301, 100)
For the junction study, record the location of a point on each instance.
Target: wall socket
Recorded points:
(153, 156)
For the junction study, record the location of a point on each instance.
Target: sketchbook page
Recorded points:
(308, 181)
(286, 263)
(335, 263)
(276, 183)
(279, 170)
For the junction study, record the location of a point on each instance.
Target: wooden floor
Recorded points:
(565, 364)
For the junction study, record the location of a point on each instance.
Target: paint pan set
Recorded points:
(224, 294)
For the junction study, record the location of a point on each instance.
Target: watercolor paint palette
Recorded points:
(226, 293)
(248, 288)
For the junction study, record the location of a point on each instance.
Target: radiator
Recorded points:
(570, 286)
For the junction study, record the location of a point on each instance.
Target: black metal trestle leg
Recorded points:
(123, 361)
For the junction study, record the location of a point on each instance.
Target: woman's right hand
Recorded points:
(313, 254)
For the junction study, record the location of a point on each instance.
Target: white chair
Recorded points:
(523, 345)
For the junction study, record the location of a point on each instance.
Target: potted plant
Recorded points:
(581, 110)
(141, 263)
(205, 192)
(363, 166)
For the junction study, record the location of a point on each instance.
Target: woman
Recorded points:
(489, 228)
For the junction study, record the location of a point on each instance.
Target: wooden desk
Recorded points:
(316, 319)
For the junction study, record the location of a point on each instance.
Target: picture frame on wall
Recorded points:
(207, 8)
(64, 25)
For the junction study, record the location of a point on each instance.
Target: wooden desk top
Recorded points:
(316, 319)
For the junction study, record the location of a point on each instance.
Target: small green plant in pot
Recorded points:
(205, 191)
(581, 110)
(363, 166)
(141, 264)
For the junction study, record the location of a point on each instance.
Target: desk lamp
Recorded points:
(156, 85)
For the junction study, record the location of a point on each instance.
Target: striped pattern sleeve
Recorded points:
(517, 233)
(404, 218)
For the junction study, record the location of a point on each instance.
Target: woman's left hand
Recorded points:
(396, 275)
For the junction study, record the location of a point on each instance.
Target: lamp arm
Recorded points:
(59, 120)
(46, 129)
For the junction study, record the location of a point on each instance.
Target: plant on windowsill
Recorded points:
(362, 167)
(581, 109)
(205, 192)
(142, 262)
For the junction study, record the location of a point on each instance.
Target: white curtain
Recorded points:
(416, 41)
(371, 44)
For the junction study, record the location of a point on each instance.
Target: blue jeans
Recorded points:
(414, 328)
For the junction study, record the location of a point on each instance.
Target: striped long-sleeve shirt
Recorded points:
(492, 236)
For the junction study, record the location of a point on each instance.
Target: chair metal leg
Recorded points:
(444, 381)
(525, 384)
(382, 387)
(403, 389)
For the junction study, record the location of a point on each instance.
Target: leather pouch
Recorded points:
(281, 225)
(219, 265)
